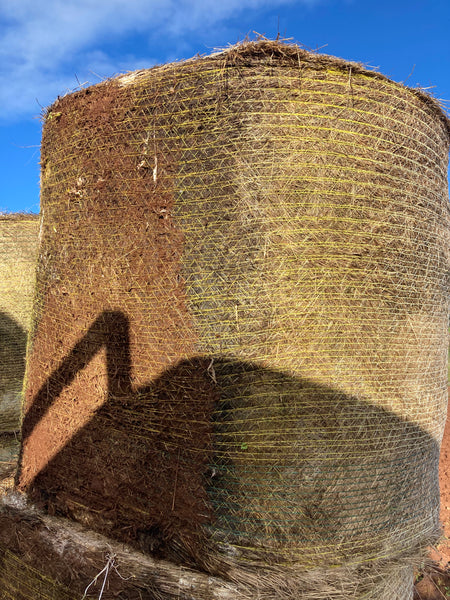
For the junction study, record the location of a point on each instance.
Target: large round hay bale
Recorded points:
(239, 350)
(18, 253)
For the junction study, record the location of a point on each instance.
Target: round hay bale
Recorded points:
(18, 253)
(239, 348)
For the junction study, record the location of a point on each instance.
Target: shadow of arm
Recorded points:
(109, 330)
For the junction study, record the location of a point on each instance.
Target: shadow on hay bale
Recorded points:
(268, 230)
(184, 466)
(18, 253)
(44, 557)
(13, 342)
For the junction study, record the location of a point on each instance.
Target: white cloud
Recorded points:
(44, 45)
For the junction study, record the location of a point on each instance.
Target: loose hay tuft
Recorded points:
(239, 346)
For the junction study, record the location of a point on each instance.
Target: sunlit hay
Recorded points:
(18, 254)
(240, 328)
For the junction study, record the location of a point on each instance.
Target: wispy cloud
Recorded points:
(44, 44)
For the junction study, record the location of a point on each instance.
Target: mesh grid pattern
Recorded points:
(18, 254)
(21, 582)
(239, 342)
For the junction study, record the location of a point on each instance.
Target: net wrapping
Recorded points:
(239, 344)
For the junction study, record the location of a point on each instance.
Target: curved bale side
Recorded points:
(239, 348)
(18, 259)
(60, 548)
(57, 549)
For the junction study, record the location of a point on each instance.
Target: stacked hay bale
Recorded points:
(18, 253)
(238, 358)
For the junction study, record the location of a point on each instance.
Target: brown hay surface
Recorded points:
(240, 333)
(39, 556)
(432, 582)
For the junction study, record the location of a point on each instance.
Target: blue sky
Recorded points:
(49, 47)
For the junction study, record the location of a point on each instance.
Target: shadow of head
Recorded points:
(231, 450)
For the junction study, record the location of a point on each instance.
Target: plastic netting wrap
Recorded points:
(49, 558)
(239, 346)
(18, 253)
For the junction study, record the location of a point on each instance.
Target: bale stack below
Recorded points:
(239, 350)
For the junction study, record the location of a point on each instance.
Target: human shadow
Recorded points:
(230, 450)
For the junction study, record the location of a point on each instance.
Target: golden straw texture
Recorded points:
(239, 347)
(18, 253)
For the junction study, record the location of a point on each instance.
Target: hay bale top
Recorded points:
(265, 53)
(260, 238)
(18, 217)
